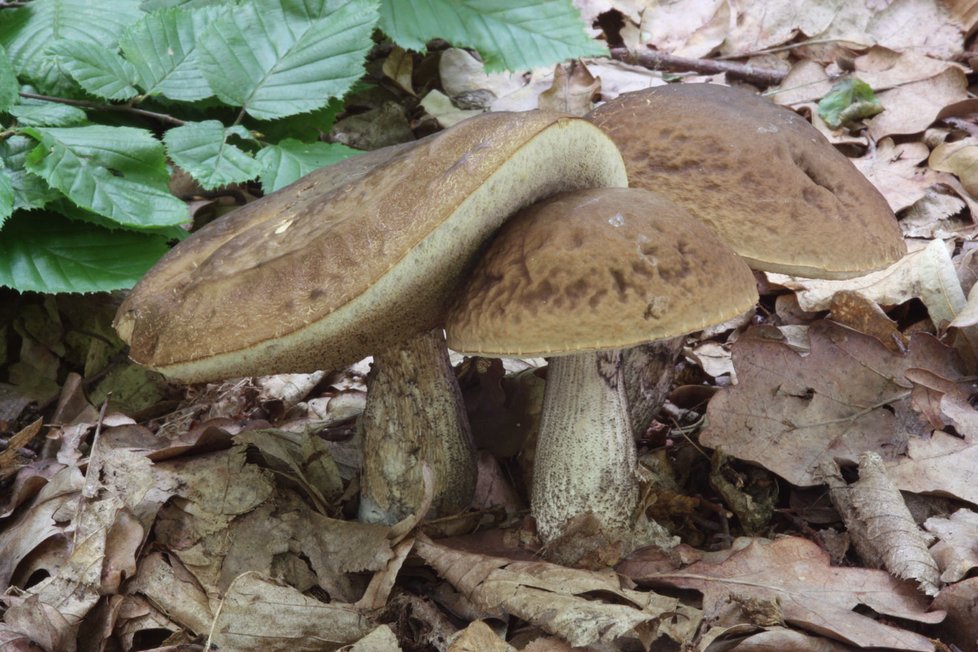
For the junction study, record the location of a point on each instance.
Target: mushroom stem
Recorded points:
(414, 416)
(586, 454)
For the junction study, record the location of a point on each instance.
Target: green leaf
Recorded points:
(162, 47)
(43, 252)
(117, 172)
(848, 101)
(9, 88)
(276, 60)
(292, 159)
(6, 194)
(99, 70)
(305, 126)
(28, 31)
(508, 35)
(47, 114)
(201, 148)
(30, 191)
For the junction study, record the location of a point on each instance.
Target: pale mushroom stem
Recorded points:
(415, 416)
(586, 454)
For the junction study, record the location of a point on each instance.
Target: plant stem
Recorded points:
(125, 108)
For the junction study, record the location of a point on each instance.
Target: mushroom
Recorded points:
(578, 278)
(760, 175)
(774, 189)
(358, 259)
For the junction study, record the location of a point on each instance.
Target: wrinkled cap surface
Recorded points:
(354, 257)
(597, 269)
(760, 175)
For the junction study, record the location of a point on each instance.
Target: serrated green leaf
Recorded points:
(28, 31)
(9, 88)
(508, 35)
(47, 114)
(64, 207)
(848, 101)
(201, 148)
(306, 126)
(275, 63)
(6, 194)
(99, 70)
(292, 159)
(30, 191)
(162, 46)
(113, 171)
(43, 252)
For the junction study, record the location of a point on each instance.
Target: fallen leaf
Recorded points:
(879, 523)
(788, 412)
(260, 614)
(795, 575)
(911, 108)
(960, 601)
(688, 28)
(955, 550)
(896, 172)
(571, 91)
(554, 598)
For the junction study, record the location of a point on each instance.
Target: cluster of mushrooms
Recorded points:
(517, 234)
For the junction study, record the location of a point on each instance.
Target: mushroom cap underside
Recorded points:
(764, 178)
(354, 257)
(597, 269)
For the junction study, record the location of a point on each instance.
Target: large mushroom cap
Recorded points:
(354, 257)
(766, 180)
(597, 269)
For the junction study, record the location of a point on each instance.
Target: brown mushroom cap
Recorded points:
(354, 257)
(766, 180)
(597, 269)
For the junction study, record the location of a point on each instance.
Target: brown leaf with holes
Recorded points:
(788, 411)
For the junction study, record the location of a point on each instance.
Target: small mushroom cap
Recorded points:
(764, 178)
(598, 269)
(352, 258)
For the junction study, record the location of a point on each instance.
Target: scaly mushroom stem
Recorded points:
(585, 455)
(414, 415)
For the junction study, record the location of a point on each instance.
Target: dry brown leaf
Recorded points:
(807, 81)
(301, 458)
(778, 639)
(35, 524)
(955, 550)
(263, 615)
(960, 601)
(884, 68)
(895, 170)
(554, 598)
(688, 28)
(943, 464)
(880, 525)
(926, 273)
(856, 311)
(960, 158)
(381, 639)
(571, 91)
(911, 108)
(794, 576)
(479, 637)
(399, 67)
(169, 585)
(789, 412)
